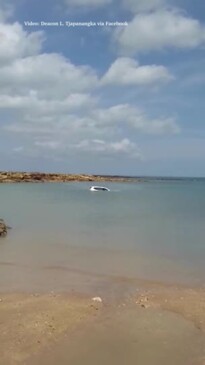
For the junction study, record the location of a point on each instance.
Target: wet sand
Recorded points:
(30, 322)
(150, 324)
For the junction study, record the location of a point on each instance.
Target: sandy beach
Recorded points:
(133, 248)
(31, 322)
(156, 323)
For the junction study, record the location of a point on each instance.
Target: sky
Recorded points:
(80, 95)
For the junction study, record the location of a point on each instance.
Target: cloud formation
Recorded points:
(134, 118)
(127, 71)
(6, 10)
(47, 76)
(160, 29)
(16, 43)
(87, 3)
(107, 148)
(49, 104)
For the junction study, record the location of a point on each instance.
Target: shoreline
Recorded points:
(57, 320)
(39, 177)
(186, 300)
(30, 322)
(43, 177)
(34, 324)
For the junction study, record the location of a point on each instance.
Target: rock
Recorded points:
(28, 177)
(3, 228)
(142, 301)
(97, 299)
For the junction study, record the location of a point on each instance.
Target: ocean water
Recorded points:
(64, 236)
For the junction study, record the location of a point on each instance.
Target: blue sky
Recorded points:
(123, 99)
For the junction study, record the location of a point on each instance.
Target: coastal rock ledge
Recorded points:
(3, 228)
(40, 177)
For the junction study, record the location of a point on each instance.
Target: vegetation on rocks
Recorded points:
(18, 177)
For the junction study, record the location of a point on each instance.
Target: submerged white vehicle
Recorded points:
(99, 188)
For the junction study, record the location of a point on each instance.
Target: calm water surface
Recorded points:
(63, 234)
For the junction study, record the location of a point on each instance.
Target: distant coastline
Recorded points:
(32, 177)
(35, 177)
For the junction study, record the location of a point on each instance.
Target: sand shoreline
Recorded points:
(30, 322)
(33, 323)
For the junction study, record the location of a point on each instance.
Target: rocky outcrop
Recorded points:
(3, 228)
(24, 177)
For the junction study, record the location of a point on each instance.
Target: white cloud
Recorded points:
(6, 10)
(125, 115)
(143, 5)
(100, 130)
(127, 71)
(16, 43)
(122, 147)
(160, 29)
(48, 75)
(87, 3)
(50, 104)
(40, 107)
(53, 145)
(105, 148)
(95, 122)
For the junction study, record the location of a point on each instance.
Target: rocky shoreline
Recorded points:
(33, 177)
(3, 228)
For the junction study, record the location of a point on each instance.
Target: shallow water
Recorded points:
(129, 336)
(66, 237)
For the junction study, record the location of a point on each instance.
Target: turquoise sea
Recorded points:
(65, 237)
